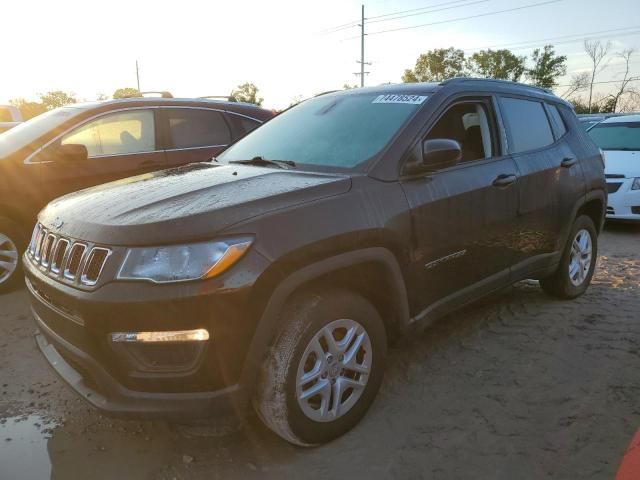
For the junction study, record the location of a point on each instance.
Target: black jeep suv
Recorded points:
(277, 273)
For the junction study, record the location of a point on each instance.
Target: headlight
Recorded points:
(180, 263)
(636, 184)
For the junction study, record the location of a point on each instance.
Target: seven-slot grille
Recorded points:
(65, 259)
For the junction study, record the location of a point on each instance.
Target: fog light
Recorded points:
(199, 335)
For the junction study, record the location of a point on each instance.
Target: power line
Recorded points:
(430, 11)
(600, 83)
(423, 11)
(523, 7)
(574, 37)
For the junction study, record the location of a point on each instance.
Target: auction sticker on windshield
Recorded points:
(391, 98)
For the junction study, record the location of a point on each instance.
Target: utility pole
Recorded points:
(361, 61)
(138, 75)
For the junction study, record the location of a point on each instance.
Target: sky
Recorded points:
(196, 48)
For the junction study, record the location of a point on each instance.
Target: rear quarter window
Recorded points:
(242, 125)
(559, 127)
(527, 124)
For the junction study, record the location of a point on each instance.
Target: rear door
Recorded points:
(120, 144)
(463, 216)
(194, 134)
(550, 178)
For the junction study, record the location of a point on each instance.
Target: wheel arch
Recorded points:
(355, 270)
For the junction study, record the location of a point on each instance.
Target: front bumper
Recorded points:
(115, 399)
(623, 203)
(167, 380)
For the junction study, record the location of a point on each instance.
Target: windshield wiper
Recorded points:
(259, 160)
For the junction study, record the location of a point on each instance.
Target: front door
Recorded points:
(194, 134)
(463, 215)
(119, 144)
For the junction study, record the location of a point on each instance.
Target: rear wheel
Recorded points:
(577, 263)
(11, 247)
(324, 368)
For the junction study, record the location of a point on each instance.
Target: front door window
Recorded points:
(119, 133)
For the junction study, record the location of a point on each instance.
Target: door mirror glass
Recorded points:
(439, 153)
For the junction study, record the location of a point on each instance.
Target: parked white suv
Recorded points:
(9, 117)
(619, 137)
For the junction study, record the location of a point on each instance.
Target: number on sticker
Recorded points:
(394, 98)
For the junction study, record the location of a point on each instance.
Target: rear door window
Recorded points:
(527, 124)
(193, 128)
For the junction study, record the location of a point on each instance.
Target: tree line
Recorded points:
(246, 92)
(543, 68)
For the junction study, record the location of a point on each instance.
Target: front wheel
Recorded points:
(577, 263)
(324, 369)
(11, 244)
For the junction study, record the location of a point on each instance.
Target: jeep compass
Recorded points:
(277, 274)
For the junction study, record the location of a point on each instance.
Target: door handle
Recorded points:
(568, 162)
(504, 180)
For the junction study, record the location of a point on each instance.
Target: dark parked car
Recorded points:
(83, 145)
(278, 274)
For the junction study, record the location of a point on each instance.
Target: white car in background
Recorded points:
(619, 137)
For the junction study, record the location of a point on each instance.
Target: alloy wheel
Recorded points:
(334, 370)
(8, 258)
(580, 259)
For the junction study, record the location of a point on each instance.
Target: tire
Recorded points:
(12, 245)
(562, 283)
(306, 319)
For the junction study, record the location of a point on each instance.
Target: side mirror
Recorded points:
(440, 153)
(72, 152)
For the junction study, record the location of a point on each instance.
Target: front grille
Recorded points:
(613, 175)
(613, 187)
(66, 259)
(610, 211)
(635, 210)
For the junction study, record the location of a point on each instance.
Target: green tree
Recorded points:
(547, 67)
(437, 65)
(28, 109)
(56, 98)
(248, 93)
(500, 64)
(126, 92)
(346, 86)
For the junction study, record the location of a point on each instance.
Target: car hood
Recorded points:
(618, 162)
(190, 203)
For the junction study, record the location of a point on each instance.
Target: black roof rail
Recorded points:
(228, 98)
(326, 93)
(494, 80)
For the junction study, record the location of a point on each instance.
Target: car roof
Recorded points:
(159, 101)
(623, 118)
(459, 84)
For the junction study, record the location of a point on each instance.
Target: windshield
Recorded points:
(340, 131)
(617, 136)
(25, 133)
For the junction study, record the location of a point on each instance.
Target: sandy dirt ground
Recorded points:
(518, 386)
